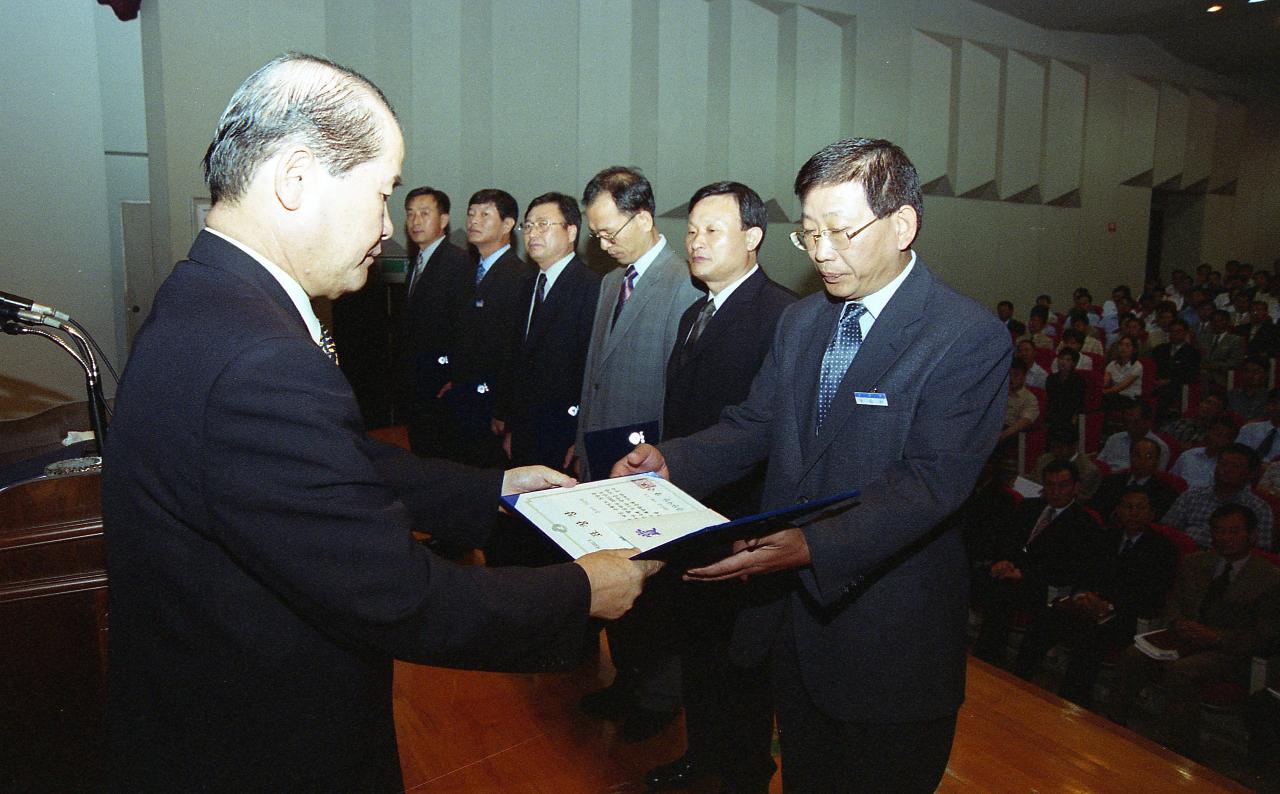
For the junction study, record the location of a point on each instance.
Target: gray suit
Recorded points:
(626, 365)
(874, 627)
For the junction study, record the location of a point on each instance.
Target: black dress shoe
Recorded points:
(680, 773)
(644, 724)
(614, 702)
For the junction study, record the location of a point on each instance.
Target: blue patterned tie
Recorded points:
(327, 345)
(841, 349)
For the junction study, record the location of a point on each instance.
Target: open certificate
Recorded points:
(645, 512)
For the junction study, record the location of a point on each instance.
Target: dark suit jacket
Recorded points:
(538, 397)
(488, 314)
(1247, 615)
(1264, 340)
(879, 615)
(1137, 582)
(1161, 494)
(429, 320)
(1068, 552)
(263, 575)
(1180, 367)
(717, 371)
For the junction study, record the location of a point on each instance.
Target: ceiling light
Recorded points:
(1215, 8)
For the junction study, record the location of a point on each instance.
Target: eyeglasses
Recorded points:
(838, 239)
(609, 238)
(541, 225)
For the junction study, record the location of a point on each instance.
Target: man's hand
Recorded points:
(616, 581)
(780, 551)
(1198, 635)
(444, 390)
(644, 457)
(506, 445)
(571, 460)
(497, 426)
(533, 478)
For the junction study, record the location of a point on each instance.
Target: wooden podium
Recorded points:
(53, 621)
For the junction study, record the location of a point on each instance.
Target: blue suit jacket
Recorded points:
(879, 616)
(263, 575)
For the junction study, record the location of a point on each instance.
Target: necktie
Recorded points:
(1214, 592)
(416, 273)
(1127, 547)
(841, 349)
(327, 345)
(1264, 449)
(624, 293)
(1045, 519)
(479, 272)
(699, 325)
(539, 295)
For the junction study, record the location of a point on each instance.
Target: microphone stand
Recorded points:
(93, 386)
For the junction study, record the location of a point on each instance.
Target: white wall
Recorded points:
(1035, 143)
(53, 194)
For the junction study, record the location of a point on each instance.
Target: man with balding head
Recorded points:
(263, 574)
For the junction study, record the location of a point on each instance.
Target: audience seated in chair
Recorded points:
(1263, 436)
(1196, 465)
(1224, 608)
(1248, 399)
(1135, 418)
(1064, 444)
(1051, 545)
(1191, 429)
(1233, 476)
(1144, 461)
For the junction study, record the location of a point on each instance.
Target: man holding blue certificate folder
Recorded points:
(893, 384)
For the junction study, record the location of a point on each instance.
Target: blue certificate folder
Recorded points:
(607, 447)
(702, 544)
(644, 512)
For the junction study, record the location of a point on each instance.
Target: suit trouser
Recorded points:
(643, 643)
(728, 709)
(823, 755)
(1181, 680)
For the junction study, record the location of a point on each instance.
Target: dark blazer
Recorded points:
(1068, 552)
(718, 369)
(1161, 494)
(879, 616)
(488, 314)
(1264, 340)
(263, 575)
(1247, 615)
(1180, 367)
(428, 324)
(538, 397)
(1137, 582)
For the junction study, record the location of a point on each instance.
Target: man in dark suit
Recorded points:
(1133, 580)
(1004, 310)
(1051, 547)
(1144, 462)
(1261, 334)
(536, 409)
(1177, 365)
(488, 315)
(722, 341)
(263, 574)
(634, 331)
(863, 624)
(437, 274)
(1225, 606)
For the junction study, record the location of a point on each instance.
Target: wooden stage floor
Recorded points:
(522, 734)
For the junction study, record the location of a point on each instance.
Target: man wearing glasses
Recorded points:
(536, 413)
(893, 384)
(636, 324)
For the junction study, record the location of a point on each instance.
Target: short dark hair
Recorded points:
(1233, 509)
(568, 206)
(440, 197)
(1071, 353)
(1250, 454)
(1018, 364)
(1063, 433)
(751, 208)
(1221, 313)
(1077, 316)
(887, 176)
(1039, 311)
(1135, 444)
(502, 201)
(1071, 333)
(1055, 466)
(628, 188)
(1045, 296)
(1005, 303)
(330, 109)
(1222, 420)
(1178, 321)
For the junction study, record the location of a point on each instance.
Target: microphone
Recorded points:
(10, 314)
(8, 299)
